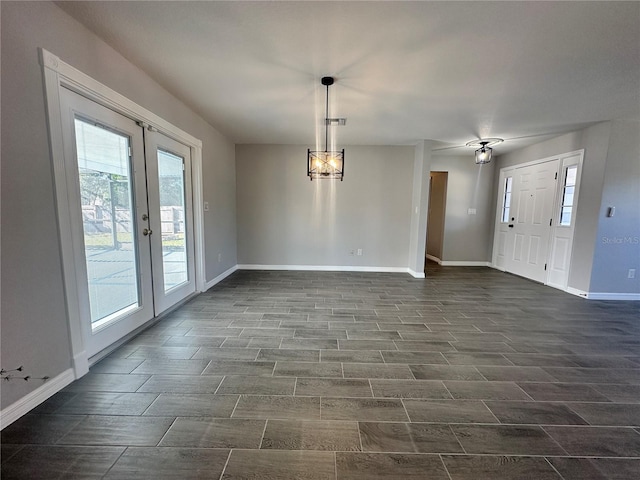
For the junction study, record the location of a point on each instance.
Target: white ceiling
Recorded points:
(405, 71)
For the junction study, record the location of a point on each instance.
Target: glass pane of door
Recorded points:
(172, 216)
(106, 190)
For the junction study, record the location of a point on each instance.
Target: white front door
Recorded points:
(534, 190)
(133, 231)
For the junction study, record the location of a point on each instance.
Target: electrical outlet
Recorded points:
(359, 252)
(632, 273)
(219, 257)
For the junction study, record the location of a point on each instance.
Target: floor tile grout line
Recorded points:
(225, 464)
(491, 411)
(445, 466)
(220, 384)
(116, 461)
(464, 450)
(554, 468)
(359, 436)
(266, 421)
(447, 389)
(167, 431)
(406, 412)
(235, 406)
(554, 440)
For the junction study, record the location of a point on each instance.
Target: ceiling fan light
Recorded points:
(483, 155)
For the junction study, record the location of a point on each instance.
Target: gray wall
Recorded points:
(467, 238)
(34, 325)
(285, 219)
(617, 246)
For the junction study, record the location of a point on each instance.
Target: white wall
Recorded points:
(467, 238)
(34, 324)
(285, 219)
(617, 246)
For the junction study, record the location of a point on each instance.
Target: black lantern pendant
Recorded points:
(325, 164)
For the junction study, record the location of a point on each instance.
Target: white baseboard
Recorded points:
(433, 259)
(80, 364)
(458, 263)
(613, 296)
(576, 292)
(325, 268)
(30, 401)
(463, 263)
(415, 274)
(220, 277)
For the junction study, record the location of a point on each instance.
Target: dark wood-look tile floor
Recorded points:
(468, 374)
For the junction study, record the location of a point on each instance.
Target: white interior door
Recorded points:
(534, 190)
(104, 161)
(171, 219)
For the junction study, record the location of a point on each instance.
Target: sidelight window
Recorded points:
(506, 199)
(568, 191)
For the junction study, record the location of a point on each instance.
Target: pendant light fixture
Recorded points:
(485, 152)
(326, 164)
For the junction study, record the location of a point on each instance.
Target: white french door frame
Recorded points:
(56, 75)
(565, 160)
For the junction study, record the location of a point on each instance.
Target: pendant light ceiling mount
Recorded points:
(484, 153)
(326, 164)
(327, 81)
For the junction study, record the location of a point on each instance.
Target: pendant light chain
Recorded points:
(326, 122)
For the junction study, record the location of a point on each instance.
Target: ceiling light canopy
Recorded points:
(485, 152)
(326, 164)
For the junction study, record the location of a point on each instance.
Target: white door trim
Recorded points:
(58, 74)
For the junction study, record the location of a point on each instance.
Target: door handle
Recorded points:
(510, 225)
(147, 231)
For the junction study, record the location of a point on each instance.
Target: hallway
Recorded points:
(469, 374)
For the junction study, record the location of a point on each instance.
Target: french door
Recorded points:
(131, 207)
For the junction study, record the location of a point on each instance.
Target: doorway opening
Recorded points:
(436, 216)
